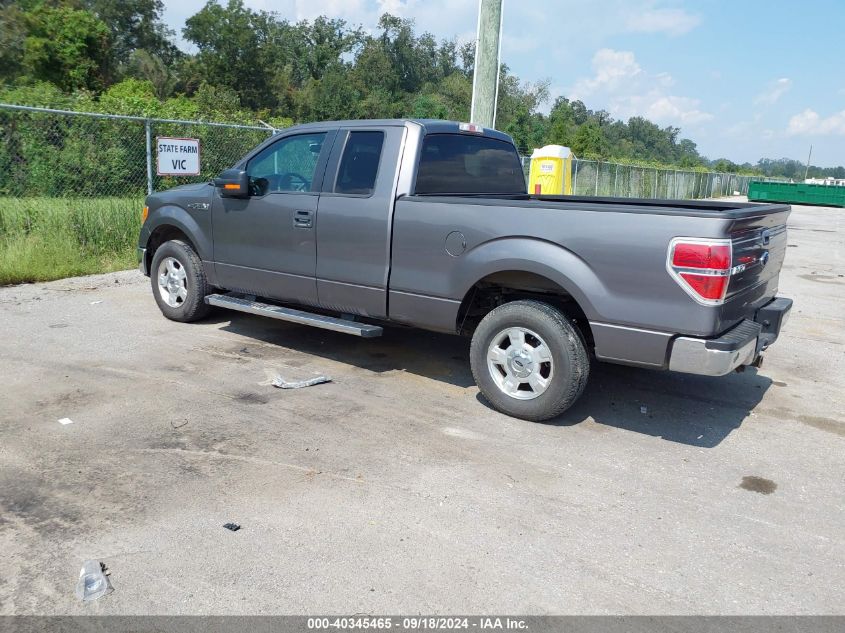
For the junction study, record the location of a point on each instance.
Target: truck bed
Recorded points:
(612, 252)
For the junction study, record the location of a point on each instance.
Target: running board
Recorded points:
(234, 302)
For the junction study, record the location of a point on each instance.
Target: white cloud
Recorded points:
(671, 108)
(613, 69)
(664, 79)
(774, 91)
(390, 6)
(809, 122)
(670, 21)
(620, 81)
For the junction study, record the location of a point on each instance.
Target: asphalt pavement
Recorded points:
(395, 488)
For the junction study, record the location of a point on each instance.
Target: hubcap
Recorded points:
(172, 282)
(520, 363)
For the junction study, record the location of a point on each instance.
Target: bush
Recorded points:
(51, 238)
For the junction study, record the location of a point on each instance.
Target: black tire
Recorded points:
(567, 370)
(192, 307)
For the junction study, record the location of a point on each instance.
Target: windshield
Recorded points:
(456, 164)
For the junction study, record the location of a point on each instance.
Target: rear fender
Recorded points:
(540, 257)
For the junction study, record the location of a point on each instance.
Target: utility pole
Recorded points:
(485, 80)
(807, 171)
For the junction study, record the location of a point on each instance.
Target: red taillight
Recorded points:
(709, 256)
(708, 287)
(701, 267)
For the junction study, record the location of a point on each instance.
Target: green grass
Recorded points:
(52, 238)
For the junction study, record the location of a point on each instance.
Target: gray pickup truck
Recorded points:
(349, 225)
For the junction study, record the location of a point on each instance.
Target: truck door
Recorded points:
(265, 244)
(353, 232)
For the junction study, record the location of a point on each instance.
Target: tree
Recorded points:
(562, 124)
(107, 55)
(315, 47)
(68, 47)
(234, 51)
(688, 154)
(150, 67)
(13, 31)
(725, 165)
(516, 110)
(135, 25)
(590, 142)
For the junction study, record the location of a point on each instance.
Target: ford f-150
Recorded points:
(351, 225)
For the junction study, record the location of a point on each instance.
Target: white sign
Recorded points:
(177, 156)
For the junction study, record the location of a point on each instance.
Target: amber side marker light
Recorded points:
(231, 186)
(144, 214)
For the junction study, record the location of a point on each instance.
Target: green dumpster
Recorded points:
(797, 193)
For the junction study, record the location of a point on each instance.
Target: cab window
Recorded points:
(359, 165)
(455, 164)
(287, 165)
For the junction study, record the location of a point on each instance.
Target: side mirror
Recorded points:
(233, 183)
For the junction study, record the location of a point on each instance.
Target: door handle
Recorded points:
(303, 219)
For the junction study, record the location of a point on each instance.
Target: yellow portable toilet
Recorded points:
(551, 171)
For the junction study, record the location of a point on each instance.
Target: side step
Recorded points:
(235, 302)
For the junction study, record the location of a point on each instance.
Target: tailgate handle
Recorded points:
(766, 237)
(303, 219)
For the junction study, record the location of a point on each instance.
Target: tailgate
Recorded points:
(759, 248)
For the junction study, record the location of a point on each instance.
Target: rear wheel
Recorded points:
(179, 282)
(529, 360)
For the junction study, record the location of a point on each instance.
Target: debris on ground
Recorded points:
(281, 383)
(234, 527)
(64, 421)
(643, 409)
(93, 303)
(93, 582)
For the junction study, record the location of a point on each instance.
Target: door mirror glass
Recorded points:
(233, 183)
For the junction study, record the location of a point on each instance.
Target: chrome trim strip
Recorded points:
(710, 272)
(628, 327)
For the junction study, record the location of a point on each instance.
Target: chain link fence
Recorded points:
(72, 184)
(59, 154)
(605, 179)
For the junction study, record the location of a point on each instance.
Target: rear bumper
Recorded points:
(739, 346)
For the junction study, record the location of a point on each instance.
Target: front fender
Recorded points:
(526, 254)
(198, 232)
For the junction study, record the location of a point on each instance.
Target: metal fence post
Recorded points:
(598, 170)
(148, 130)
(616, 180)
(575, 179)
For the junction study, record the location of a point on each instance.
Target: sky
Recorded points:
(744, 79)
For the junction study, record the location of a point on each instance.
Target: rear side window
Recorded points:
(462, 164)
(359, 165)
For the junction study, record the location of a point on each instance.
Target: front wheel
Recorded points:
(529, 360)
(179, 282)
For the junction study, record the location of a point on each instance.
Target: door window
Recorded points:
(288, 165)
(359, 165)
